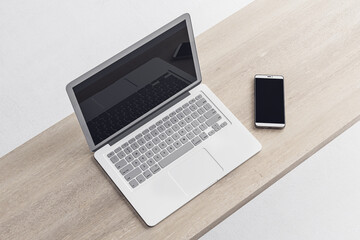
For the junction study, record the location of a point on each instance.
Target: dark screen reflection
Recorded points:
(136, 83)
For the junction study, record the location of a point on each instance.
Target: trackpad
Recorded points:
(199, 171)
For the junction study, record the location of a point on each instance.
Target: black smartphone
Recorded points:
(269, 101)
(183, 51)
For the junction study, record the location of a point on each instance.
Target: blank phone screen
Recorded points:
(269, 98)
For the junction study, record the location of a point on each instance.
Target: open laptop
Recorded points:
(161, 135)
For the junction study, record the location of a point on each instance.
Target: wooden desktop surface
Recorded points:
(52, 188)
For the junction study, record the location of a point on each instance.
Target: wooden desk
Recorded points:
(52, 188)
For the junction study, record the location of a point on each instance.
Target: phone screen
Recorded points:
(269, 100)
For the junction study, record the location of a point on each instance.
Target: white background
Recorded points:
(46, 44)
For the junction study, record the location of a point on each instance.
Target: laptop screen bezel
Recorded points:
(70, 87)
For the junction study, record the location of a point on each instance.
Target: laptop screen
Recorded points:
(121, 93)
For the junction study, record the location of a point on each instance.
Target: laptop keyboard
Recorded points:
(165, 141)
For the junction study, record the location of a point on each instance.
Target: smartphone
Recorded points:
(183, 51)
(269, 101)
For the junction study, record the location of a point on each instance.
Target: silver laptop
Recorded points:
(161, 135)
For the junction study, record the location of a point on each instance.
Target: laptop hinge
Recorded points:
(148, 118)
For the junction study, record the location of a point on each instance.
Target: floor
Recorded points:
(46, 44)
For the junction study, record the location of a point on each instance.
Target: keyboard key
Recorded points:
(110, 154)
(216, 127)
(156, 141)
(148, 137)
(200, 102)
(161, 128)
(132, 174)
(193, 107)
(121, 154)
(201, 119)
(155, 133)
(198, 97)
(195, 115)
(141, 141)
(188, 119)
(182, 123)
(147, 174)
(133, 183)
(136, 163)
(175, 127)
(182, 132)
(162, 145)
(126, 169)
(142, 149)
(120, 164)
(187, 111)
(152, 127)
(203, 136)
(183, 140)
(142, 158)
(203, 126)
(169, 140)
(179, 109)
(158, 123)
(114, 159)
(185, 105)
(157, 157)
(143, 166)
(140, 178)
(207, 106)
(149, 145)
(210, 113)
(169, 131)
(124, 145)
(170, 148)
(156, 149)
(162, 136)
(136, 154)
(196, 141)
(213, 120)
(138, 136)
(188, 128)
(149, 154)
(155, 169)
(190, 135)
(164, 153)
(129, 158)
(134, 146)
(131, 141)
(146, 131)
(197, 131)
(176, 136)
(211, 132)
(195, 123)
(172, 114)
(192, 101)
(128, 150)
(150, 162)
(223, 124)
(165, 118)
(176, 154)
(201, 111)
(174, 120)
(177, 144)
(117, 150)
(167, 124)
(180, 116)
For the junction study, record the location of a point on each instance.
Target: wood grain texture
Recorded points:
(52, 188)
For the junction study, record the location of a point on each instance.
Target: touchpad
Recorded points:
(197, 172)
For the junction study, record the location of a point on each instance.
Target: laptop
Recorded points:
(161, 135)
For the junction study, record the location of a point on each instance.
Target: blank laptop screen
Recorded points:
(133, 85)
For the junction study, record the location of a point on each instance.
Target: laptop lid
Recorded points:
(136, 82)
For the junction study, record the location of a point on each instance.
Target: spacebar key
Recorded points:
(175, 155)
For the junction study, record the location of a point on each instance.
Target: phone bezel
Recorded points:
(262, 124)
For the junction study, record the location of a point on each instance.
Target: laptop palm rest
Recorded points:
(197, 172)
